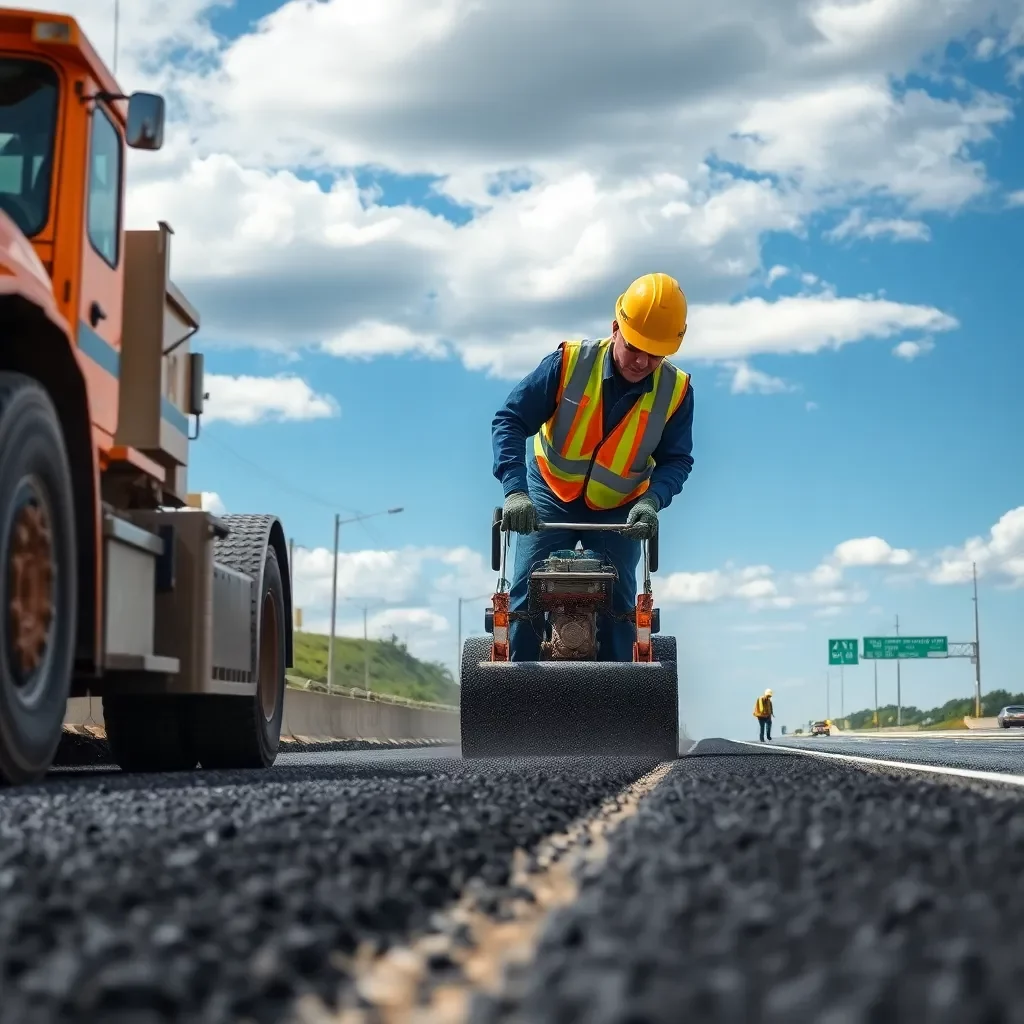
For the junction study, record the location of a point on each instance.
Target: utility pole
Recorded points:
(334, 581)
(828, 696)
(366, 653)
(977, 646)
(899, 694)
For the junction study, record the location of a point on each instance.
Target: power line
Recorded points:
(316, 499)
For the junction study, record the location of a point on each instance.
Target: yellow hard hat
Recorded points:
(651, 314)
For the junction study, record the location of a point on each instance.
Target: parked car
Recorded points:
(1012, 714)
(821, 729)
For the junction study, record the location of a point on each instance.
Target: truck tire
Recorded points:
(38, 580)
(245, 732)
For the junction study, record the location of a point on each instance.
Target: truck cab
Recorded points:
(112, 584)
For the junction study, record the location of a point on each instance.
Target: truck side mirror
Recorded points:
(196, 394)
(145, 128)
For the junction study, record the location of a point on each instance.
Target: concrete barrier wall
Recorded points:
(323, 716)
(982, 723)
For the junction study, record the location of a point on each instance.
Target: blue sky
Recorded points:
(370, 293)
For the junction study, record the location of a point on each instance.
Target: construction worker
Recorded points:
(763, 712)
(612, 427)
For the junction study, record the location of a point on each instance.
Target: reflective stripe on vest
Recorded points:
(566, 444)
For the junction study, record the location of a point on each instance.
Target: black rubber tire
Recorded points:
(149, 732)
(34, 468)
(233, 732)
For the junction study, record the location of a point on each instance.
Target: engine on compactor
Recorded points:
(572, 587)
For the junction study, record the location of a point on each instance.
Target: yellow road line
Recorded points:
(392, 982)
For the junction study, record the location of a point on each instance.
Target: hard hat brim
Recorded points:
(654, 348)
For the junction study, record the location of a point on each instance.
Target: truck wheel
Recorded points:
(38, 580)
(149, 732)
(245, 732)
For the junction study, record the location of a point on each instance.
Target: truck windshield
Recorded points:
(28, 121)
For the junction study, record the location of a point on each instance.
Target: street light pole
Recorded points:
(977, 646)
(828, 696)
(334, 606)
(842, 694)
(338, 521)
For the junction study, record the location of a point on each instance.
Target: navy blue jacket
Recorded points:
(532, 403)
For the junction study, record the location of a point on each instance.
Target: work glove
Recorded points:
(519, 514)
(642, 521)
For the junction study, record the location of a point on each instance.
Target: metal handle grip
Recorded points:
(595, 527)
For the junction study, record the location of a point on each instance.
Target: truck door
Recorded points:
(99, 319)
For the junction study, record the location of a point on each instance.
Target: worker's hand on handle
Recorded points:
(519, 514)
(642, 521)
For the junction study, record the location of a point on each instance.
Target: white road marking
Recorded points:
(974, 734)
(937, 769)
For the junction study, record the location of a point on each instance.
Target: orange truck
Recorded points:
(114, 583)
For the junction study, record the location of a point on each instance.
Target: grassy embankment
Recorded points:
(392, 669)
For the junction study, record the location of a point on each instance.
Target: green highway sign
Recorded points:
(895, 647)
(842, 652)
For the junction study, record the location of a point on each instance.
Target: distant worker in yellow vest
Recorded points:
(612, 427)
(764, 712)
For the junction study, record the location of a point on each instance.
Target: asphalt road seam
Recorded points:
(480, 943)
(936, 769)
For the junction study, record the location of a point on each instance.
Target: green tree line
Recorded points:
(952, 710)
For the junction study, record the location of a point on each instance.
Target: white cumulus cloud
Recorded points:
(246, 400)
(910, 350)
(1000, 554)
(212, 503)
(857, 225)
(863, 551)
(748, 380)
(566, 187)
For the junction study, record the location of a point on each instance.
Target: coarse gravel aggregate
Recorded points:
(210, 897)
(755, 886)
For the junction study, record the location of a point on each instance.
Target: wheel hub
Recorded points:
(30, 607)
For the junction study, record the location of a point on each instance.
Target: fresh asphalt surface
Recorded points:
(754, 884)
(997, 751)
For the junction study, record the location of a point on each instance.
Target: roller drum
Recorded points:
(551, 708)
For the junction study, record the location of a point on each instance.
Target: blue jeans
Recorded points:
(614, 637)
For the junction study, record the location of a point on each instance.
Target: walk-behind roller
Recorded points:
(569, 703)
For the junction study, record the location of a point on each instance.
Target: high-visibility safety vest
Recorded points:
(573, 454)
(763, 707)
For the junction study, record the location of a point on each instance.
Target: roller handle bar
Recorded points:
(500, 541)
